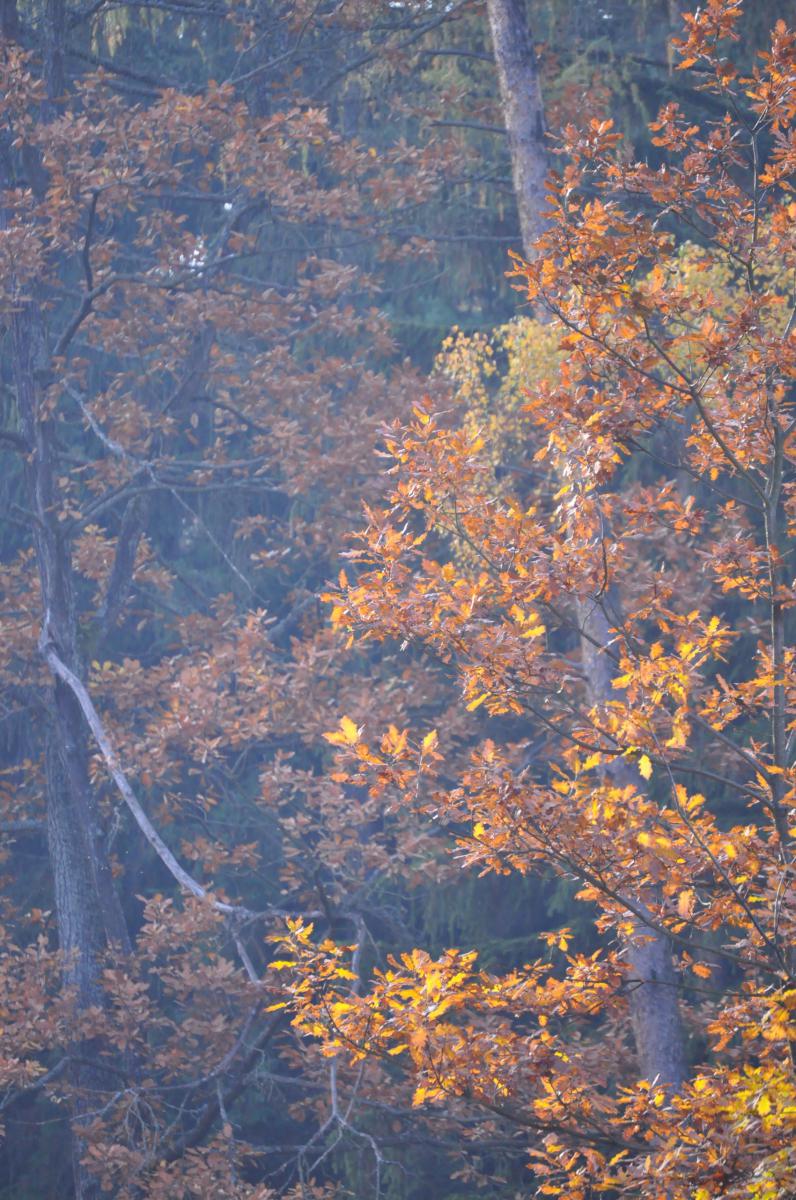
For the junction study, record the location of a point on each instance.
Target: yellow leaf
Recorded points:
(346, 735)
(394, 740)
(645, 766)
(349, 731)
(479, 700)
(685, 903)
(764, 1105)
(430, 740)
(340, 1008)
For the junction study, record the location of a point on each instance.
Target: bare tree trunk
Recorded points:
(81, 941)
(90, 919)
(654, 1002)
(523, 112)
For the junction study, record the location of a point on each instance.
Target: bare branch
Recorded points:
(59, 668)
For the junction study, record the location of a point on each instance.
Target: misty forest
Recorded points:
(397, 669)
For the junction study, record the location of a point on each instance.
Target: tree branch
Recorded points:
(59, 668)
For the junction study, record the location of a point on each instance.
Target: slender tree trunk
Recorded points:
(523, 112)
(654, 1002)
(81, 941)
(90, 920)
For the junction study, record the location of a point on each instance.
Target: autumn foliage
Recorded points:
(655, 488)
(194, 369)
(557, 662)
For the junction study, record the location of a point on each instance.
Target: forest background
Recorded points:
(241, 247)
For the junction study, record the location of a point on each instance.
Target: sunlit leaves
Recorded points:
(629, 456)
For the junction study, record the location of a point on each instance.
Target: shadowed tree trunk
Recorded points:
(90, 921)
(654, 1002)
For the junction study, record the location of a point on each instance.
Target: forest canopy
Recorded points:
(397, 445)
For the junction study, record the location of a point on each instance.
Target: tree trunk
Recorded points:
(92, 931)
(654, 1003)
(89, 915)
(81, 941)
(523, 112)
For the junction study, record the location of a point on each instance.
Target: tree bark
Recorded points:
(654, 1004)
(90, 919)
(89, 916)
(523, 112)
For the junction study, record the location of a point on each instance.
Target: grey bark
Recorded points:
(9, 19)
(81, 940)
(523, 112)
(654, 1004)
(121, 576)
(89, 915)
(91, 925)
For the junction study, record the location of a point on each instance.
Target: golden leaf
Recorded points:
(346, 735)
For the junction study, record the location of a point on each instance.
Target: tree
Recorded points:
(202, 207)
(657, 489)
(654, 1005)
(194, 367)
